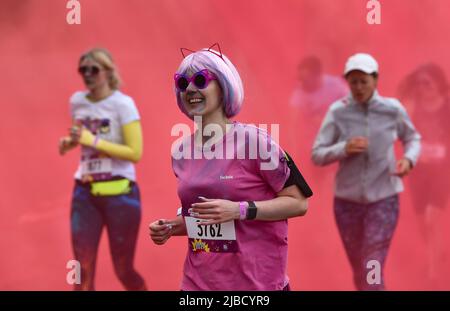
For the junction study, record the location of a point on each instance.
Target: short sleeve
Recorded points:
(128, 111)
(271, 162)
(74, 101)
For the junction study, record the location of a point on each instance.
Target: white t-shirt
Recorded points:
(105, 118)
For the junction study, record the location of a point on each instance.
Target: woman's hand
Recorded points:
(81, 135)
(356, 145)
(66, 144)
(160, 231)
(215, 211)
(403, 167)
(75, 132)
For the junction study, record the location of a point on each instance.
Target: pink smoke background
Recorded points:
(265, 39)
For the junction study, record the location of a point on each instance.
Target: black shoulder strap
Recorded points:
(296, 178)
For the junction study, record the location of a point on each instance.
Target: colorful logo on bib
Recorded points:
(199, 246)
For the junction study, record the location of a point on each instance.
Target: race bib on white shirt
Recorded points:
(104, 119)
(96, 167)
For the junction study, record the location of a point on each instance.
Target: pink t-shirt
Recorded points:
(256, 259)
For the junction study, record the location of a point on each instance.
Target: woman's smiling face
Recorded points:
(201, 102)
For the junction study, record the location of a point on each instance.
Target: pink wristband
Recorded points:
(243, 210)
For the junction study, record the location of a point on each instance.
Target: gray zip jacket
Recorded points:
(366, 177)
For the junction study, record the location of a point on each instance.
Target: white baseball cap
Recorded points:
(362, 62)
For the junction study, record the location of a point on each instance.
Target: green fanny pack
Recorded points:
(111, 187)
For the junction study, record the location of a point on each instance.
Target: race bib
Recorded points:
(96, 167)
(217, 238)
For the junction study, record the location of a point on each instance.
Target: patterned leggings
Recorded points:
(121, 215)
(366, 231)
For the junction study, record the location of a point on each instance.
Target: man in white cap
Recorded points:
(359, 132)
